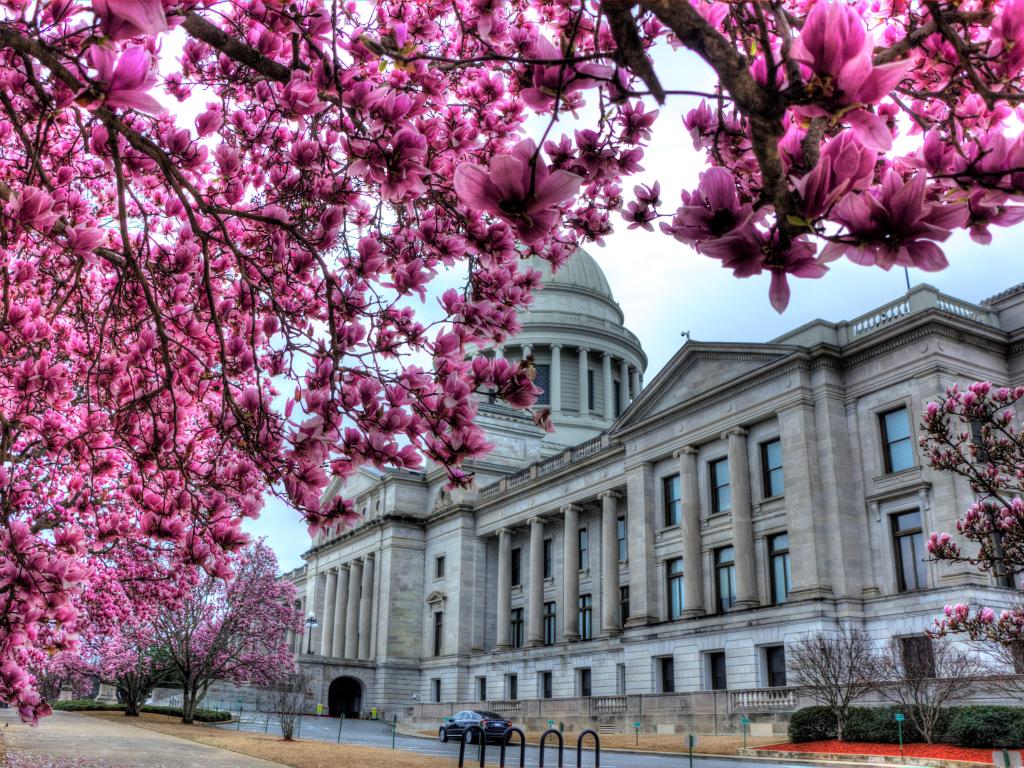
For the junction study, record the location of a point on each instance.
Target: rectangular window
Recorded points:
(590, 391)
(545, 685)
(617, 387)
(517, 567)
(550, 623)
(778, 557)
(721, 492)
(775, 666)
(771, 468)
(438, 632)
(549, 558)
(671, 500)
(620, 679)
(512, 687)
(623, 605)
(542, 380)
(586, 610)
(725, 578)
(481, 688)
(620, 533)
(583, 549)
(898, 445)
(517, 627)
(674, 574)
(908, 543)
(667, 674)
(435, 690)
(717, 680)
(918, 656)
(439, 567)
(583, 681)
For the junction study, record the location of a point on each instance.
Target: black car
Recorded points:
(455, 727)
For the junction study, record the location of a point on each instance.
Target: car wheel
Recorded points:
(471, 737)
(442, 735)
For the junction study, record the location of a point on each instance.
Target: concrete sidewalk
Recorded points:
(69, 739)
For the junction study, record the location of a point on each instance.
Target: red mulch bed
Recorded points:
(938, 751)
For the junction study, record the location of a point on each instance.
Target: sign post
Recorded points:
(745, 725)
(394, 729)
(1006, 758)
(341, 722)
(691, 742)
(900, 717)
(636, 726)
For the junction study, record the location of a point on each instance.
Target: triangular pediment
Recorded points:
(698, 369)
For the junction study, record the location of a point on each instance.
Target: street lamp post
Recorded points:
(311, 623)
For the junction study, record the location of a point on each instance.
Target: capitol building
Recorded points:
(668, 543)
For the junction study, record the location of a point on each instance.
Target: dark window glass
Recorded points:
(721, 492)
(435, 685)
(716, 669)
(623, 604)
(517, 627)
(545, 685)
(897, 441)
(918, 656)
(725, 578)
(550, 623)
(517, 567)
(584, 678)
(583, 549)
(771, 466)
(542, 380)
(778, 554)
(513, 686)
(775, 663)
(617, 387)
(590, 390)
(978, 439)
(620, 533)
(586, 610)
(668, 674)
(438, 632)
(671, 496)
(674, 571)
(908, 543)
(481, 688)
(439, 567)
(549, 558)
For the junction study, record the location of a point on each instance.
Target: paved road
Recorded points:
(378, 734)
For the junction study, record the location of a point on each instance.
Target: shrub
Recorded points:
(987, 727)
(812, 724)
(878, 724)
(91, 705)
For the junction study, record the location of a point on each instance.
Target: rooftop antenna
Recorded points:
(906, 273)
(685, 335)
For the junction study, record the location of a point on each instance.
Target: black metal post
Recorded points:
(505, 738)
(561, 746)
(597, 748)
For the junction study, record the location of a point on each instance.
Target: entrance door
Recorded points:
(345, 697)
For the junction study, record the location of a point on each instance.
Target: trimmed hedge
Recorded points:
(90, 705)
(986, 727)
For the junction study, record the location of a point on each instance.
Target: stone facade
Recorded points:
(750, 494)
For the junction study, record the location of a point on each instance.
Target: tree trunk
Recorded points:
(188, 703)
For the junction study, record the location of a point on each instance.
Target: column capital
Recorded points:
(555, 346)
(607, 355)
(610, 493)
(686, 450)
(535, 520)
(583, 349)
(570, 508)
(735, 431)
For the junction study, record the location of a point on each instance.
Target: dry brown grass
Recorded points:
(298, 754)
(662, 742)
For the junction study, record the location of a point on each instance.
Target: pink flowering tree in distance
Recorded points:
(217, 218)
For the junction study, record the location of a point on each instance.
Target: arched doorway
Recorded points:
(345, 697)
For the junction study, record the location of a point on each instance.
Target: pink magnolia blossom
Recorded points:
(122, 19)
(125, 80)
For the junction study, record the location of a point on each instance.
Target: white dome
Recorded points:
(580, 272)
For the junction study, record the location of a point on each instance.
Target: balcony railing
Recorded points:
(759, 699)
(581, 452)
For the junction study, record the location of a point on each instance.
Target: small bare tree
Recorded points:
(923, 678)
(835, 669)
(287, 701)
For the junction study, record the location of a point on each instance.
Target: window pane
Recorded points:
(920, 566)
(897, 425)
(724, 555)
(542, 380)
(901, 456)
(909, 572)
(908, 521)
(779, 542)
(673, 508)
(721, 472)
(773, 477)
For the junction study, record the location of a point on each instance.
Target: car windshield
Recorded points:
(490, 715)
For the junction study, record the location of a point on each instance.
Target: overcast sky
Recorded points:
(665, 288)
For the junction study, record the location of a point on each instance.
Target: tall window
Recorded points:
(582, 541)
(439, 567)
(545, 685)
(586, 610)
(671, 500)
(725, 578)
(438, 632)
(617, 387)
(549, 558)
(517, 567)
(771, 468)
(542, 380)
(620, 679)
(620, 533)
(667, 673)
(623, 604)
(583, 681)
(590, 391)
(435, 690)
(512, 686)
(908, 541)
(481, 688)
(517, 627)
(918, 656)
(717, 680)
(721, 492)
(898, 447)
(550, 623)
(775, 666)
(674, 573)
(778, 556)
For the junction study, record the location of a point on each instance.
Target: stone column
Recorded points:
(330, 596)
(355, 578)
(584, 400)
(340, 614)
(609, 393)
(366, 608)
(634, 381)
(693, 563)
(623, 385)
(610, 624)
(742, 519)
(571, 573)
(504, 639)
(555, 378)
(535, 622)
(640, 528)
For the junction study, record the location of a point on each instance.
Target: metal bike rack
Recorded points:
(483, 744)
(505, 738)
(561, 746)
(579, 748)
